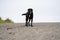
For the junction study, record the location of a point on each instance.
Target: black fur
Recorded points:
(29, 17)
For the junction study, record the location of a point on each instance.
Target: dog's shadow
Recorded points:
(26, 26)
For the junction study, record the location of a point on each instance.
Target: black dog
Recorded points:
(29, 17)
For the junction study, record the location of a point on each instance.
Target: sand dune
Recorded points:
(39, 31)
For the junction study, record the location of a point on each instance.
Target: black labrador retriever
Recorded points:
(29, 17)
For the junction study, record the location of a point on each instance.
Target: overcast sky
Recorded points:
(44, 10)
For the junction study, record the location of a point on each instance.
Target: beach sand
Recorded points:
(39, 31)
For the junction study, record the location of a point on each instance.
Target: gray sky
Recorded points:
(44, 10)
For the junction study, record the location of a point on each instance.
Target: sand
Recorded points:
(39, 31)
